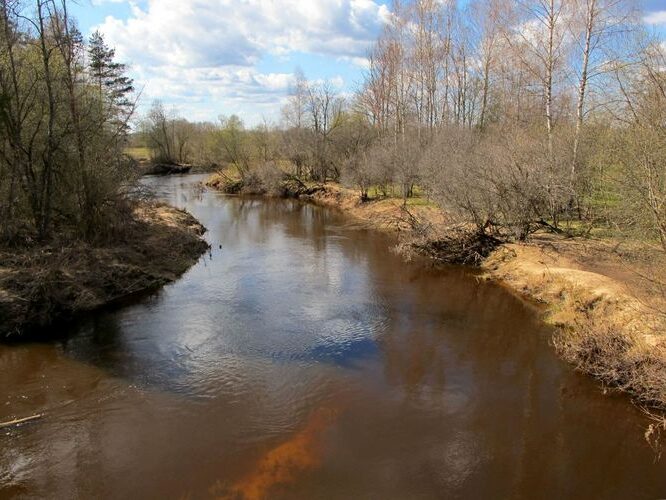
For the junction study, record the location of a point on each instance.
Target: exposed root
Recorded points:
(654, 431)
(617, 358)
(458, 246)
(280, 185)
(166, 169)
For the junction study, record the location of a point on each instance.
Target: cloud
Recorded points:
(359, 62)
(210, 49)
(657, 17)
(203, 93)
(219, 32)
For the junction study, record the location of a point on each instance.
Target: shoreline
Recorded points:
(46, 284)
(602, 327)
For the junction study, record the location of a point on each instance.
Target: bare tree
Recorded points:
(325, 116)
(603, 22)
(540, 44)
(62, 157)
(166, 134)
(235, 144)
(293, 113)
(488, 16)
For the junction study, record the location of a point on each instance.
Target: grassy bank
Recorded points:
(609, 323)
(45, 283)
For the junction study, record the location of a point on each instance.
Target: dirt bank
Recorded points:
(607, 325)
(42, 284)
(609, 317)
(386, 214)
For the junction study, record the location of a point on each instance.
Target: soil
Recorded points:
(46, 283)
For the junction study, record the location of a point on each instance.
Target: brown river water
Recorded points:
(302, 359)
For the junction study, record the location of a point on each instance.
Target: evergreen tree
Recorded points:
(109, 75)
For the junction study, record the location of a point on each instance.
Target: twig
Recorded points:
(297, 180)
(19, 421)
(654, 431)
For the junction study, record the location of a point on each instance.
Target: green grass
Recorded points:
(138, 153)
(419, 198)
(419, 201)
(582, 228)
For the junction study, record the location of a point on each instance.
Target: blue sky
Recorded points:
(206, 58)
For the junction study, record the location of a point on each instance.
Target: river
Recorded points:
(302, 359)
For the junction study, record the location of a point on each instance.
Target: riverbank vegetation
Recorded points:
(68, 203)
(56, 280)
(515, 120)
(64, 116)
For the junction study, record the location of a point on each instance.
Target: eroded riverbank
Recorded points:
(605, 327)
(46, 283)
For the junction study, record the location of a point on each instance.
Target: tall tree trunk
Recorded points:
(582, 89)
(46, 188)
(550, 65)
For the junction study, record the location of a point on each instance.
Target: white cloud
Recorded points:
(658, 17)
(359, 62)
(209, 49)
(203, 93)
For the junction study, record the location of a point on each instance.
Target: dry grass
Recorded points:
(386, 214)
(139, 153)
(603, 329)
(44, 283)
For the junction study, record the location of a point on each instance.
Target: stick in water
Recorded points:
(19, 421)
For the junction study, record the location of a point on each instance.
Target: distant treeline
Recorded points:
(512, 115)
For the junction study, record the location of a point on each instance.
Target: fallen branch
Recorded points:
(20, 421)
(418, 226)
(290, 177)
(457, 245)
(550, 227)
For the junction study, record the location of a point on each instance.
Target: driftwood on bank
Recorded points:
(457, 246)
(166, 169)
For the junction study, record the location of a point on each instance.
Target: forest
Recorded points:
(514, 116)
(65, 105)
